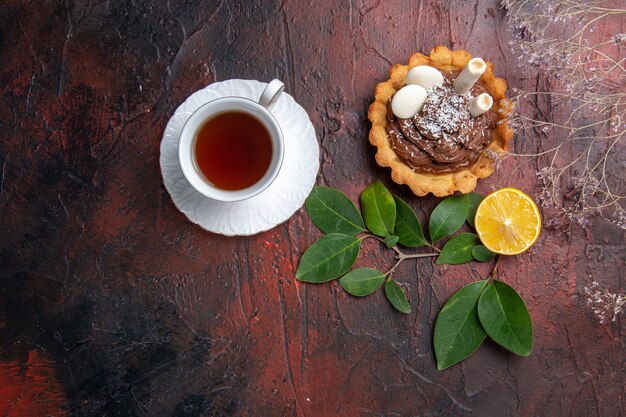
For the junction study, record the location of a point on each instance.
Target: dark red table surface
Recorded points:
(113, 304)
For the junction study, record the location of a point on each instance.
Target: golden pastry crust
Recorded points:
(422, 183)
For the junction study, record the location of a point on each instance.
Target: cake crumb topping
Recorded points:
(445, 112)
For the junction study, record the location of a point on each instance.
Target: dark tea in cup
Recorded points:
(233, 150)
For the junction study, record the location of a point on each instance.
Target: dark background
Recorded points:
(113, 304)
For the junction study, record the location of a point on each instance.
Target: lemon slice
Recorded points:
(507, 221)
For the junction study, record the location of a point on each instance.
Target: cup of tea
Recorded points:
(232, 148)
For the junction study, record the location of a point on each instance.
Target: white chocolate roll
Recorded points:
(479, 105)
(470, 74)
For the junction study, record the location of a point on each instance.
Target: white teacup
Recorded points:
(261, 111)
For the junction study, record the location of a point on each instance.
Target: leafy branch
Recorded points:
(487, 307)
(391, 221)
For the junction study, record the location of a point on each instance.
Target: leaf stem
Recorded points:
(401, 256)
(434, 247)
(494, 271)
(389, 273)
(371, 236)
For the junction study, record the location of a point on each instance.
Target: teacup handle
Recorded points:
(271, 94)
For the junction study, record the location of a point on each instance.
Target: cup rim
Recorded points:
(208, 111)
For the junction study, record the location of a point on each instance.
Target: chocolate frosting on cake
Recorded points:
(442, 136)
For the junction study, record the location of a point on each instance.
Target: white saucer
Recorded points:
(263, 211)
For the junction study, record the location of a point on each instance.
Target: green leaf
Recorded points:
(504, 316)
(448, 216)
(474, 200)
(408, 227)
(482, 254)
(458, 250)
(330, 257)
(362, 281)
(379, 209)
(458, 332)
(390, 241)
(396, 296)
(333, 212)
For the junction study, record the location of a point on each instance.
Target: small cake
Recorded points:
(439, 121)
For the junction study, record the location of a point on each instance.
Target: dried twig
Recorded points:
(606, 305)
(586, 70)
